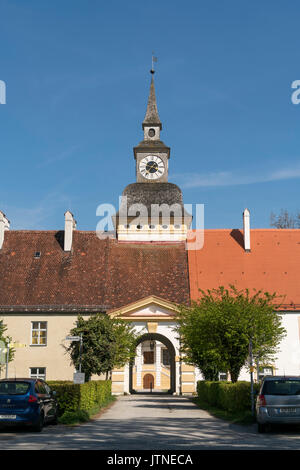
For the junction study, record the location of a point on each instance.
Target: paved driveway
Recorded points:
(144, 422)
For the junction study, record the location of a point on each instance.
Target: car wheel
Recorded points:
(261, 427)
(40, 424)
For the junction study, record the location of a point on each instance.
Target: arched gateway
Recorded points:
(156, 358)
(157, 351)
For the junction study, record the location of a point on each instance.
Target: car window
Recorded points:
(281, 387)
(14, 388)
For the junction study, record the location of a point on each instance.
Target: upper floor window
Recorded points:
(148, 357)
(38, 333)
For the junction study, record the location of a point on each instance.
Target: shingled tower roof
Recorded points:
(152, 117)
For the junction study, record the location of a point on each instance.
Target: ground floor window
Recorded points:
(38, 373)
(165, 357)
(263, 371)
(223, 376)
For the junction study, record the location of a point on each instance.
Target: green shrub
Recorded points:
(233, 397)
(73, 417)
(73, 397)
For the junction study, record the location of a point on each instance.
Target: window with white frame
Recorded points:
(223, 376)
(38, 373)
(263, 371)
(38, 333)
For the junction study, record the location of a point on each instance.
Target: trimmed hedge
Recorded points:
(73, 397)
(226, 395)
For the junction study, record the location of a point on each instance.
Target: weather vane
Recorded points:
(154, 59)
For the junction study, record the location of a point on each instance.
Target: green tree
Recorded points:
(4, 340)
(215, 331)
(107, 343)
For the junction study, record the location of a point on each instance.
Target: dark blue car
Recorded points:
(27, 402)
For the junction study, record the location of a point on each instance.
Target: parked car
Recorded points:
(27, 401)
(278, 402)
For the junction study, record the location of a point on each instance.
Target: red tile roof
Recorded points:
(96, 275)
(273, 264)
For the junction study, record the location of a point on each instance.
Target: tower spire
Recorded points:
(152, 117)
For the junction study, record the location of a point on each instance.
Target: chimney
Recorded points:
(4, 225)
(70, 225)
(246, 220)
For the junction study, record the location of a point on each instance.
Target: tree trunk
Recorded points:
(234, 374)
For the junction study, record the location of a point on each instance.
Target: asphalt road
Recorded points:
(143, 422)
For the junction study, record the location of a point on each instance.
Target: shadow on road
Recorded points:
(118, 430)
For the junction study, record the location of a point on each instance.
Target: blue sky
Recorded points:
(77, 80)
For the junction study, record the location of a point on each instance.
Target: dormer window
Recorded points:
(37, 254)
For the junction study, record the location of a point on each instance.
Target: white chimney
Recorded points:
(70, 225)
(246, 220)
(4, 225)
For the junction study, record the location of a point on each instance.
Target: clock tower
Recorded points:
(151, 155)
(152, 209)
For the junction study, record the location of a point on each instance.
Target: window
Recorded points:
(38, 373)
(38, 333)
(14, 388)
(263, 371)
(149, 357)
(37, 254)
(223, 376)
(281, 387)
(165, 357)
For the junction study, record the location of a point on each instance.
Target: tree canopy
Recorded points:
(107, 343)
(3, 342)
(215, 332)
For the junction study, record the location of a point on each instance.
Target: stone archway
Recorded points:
(164, 340)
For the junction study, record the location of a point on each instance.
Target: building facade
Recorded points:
(142, 274)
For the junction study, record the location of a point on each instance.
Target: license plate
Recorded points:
(288, 410)
(8, 416)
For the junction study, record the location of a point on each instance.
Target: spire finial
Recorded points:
(152, 117)
(154, 59)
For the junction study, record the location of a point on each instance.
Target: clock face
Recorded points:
(151, 167)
